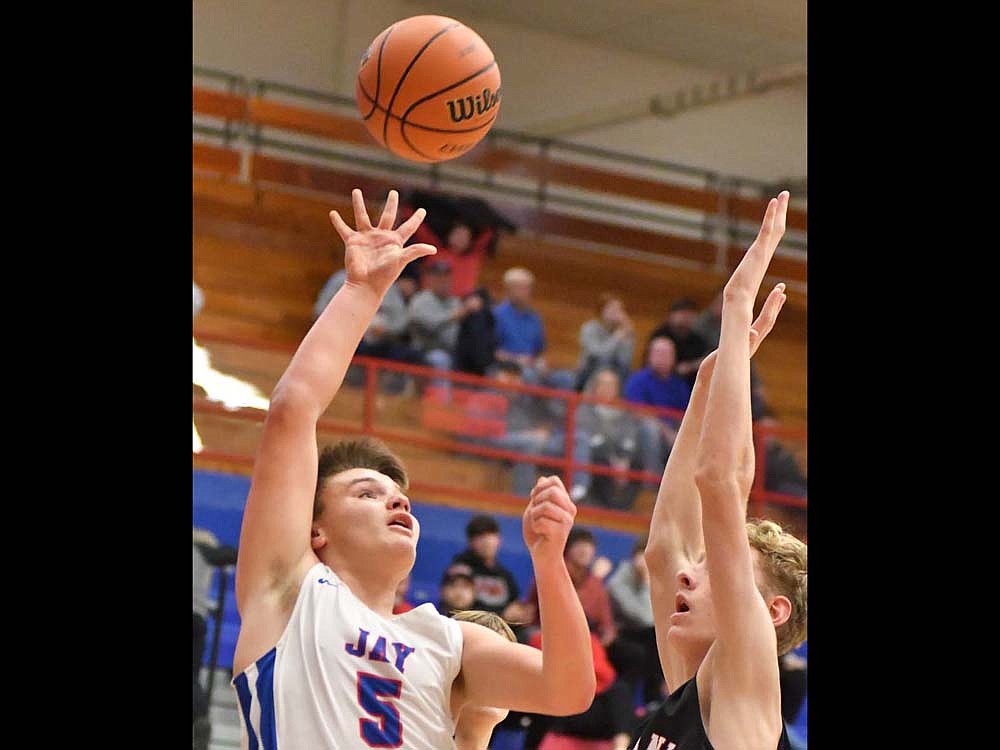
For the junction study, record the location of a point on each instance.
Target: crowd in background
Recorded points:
(439, 315)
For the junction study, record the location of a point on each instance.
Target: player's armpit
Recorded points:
(499, 673)
(274, 539)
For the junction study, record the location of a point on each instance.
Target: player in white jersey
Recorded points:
(321, 661)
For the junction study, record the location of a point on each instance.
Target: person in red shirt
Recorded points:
(464, 250)
(628, 657)
(606, 725)
(463, 231)
(579, 554)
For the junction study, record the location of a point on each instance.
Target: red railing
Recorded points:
(566, 464)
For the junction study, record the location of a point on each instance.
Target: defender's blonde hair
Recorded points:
(784, 563)
(489, 620)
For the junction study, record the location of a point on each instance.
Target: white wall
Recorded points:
(318, 43)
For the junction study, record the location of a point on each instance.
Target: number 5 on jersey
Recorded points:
(388, 730)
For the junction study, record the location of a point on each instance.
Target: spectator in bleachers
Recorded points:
(609, 721)
(782, 472)
(474, 724)
(434, 316)
(402, 603)
(476, 343)
(535, 426)
(496, 587)
(679, 327)
(606, 341)
(464, 231)
(708, 323)
(207, 553)
(628, 588)
(520, 332)
(613, 434)
(202, 574)
(580, 552)
(387, 335)
(581, 559)
(458, 591)
(658, 385)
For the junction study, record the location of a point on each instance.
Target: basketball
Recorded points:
(428, 88)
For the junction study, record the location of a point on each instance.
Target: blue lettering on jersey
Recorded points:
(378, 651)
(358, 650)
(402, 651)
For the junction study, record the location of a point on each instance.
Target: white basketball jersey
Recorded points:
(342, 677)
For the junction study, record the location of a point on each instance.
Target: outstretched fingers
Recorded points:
(408, 227)
(389, 212)
(340, 225)
(361, 220)
(768, 315)
(750, 272)
(418, 250)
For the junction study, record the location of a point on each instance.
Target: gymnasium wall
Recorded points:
(317, 43)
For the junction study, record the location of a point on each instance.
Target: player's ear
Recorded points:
(780, 609)
(318, 538)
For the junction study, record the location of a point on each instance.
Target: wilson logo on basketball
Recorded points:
(469, 106)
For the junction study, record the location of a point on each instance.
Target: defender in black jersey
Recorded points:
(729, 596)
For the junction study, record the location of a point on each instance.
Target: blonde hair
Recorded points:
(516, 274)
(489, 620)
(784, 563)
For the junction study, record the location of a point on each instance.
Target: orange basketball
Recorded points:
(428, 88)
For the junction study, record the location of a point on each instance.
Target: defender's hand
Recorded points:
(375, 256)
(749, 274)
(758, 330)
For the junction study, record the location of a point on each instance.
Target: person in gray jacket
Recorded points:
(435, 315)
(387, 335)
(613, 434)
(606, 341)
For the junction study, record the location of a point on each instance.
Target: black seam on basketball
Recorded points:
(402, 78)
(417, 124)
(378, 74)
(404, 123)
(448, 88)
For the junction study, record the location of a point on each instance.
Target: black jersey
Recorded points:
(677, 725)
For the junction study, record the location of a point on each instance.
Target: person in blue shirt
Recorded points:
(658, 385)
(520, 333)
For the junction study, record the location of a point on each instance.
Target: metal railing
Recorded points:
(456, 442)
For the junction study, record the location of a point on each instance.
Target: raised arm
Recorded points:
(745, 675)
(274, 540)
(675, 533)
(559, 680)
